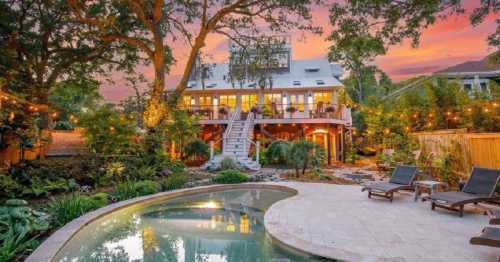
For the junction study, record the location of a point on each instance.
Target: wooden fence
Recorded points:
(474, 149)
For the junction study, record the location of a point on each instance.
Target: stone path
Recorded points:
(339, 221)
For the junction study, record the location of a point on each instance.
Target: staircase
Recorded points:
(236, 144)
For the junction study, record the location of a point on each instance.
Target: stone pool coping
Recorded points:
(48, 250)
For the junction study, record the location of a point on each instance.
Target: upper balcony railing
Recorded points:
(273, 111)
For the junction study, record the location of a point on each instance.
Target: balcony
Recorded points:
(275, 113)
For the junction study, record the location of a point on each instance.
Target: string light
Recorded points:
(407, 128)
(495, 104)
(112, 128)
(387, 131)
(486, 110)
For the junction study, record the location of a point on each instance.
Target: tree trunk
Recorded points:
(43, 99)
(360, 87)
(155, 109)
(198, 44)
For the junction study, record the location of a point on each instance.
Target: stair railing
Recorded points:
(248, 133)
(225, 136)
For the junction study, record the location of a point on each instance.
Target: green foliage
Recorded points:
(72, 97)
(278, 151)
(19, 227)
(66, 208)
(228, 163)
(304, 154)
(182, 130)
(109, 132)
(63, 125)
(147, 187)
(125, 190)
(96, 201)
(197, 149)
(9, 187)
(231, 177)
(174, 181)
(130, 189)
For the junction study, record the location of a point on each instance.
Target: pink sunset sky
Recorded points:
(446, 43)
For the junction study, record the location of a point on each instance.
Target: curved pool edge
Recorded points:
(49, 248)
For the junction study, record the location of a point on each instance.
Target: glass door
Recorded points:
(297, 102)
(247, 102)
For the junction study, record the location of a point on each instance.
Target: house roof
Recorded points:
(303, 73)
(67, 143)
(472, 67)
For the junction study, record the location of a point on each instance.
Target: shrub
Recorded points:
(231, 177)
(174, 181)
(125, 190)
(304, 154)
(108, 132)
(9, 187)
(146, 187)
(130, 189)
(19, 227)
(277, 152)
(228, 163)
(63, 125)
(67, 208)
(96, 201)
(197, 149)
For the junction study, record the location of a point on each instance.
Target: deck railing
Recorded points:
(274, 111)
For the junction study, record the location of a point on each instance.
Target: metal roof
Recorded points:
(308, 73)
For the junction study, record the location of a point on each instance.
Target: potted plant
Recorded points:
(291, 109)
(256, 110)
(330, 110)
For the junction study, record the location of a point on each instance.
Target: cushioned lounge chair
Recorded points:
(489, 237)
(402, 178)
(479, 188)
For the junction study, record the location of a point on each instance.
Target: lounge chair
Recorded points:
(489, 237)
(494, 216)
(402, 178)
(479, 188)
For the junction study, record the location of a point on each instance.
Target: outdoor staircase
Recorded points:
(236, 144)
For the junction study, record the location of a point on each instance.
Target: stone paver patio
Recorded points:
(339, 221)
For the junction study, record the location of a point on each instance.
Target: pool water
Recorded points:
(220, 226)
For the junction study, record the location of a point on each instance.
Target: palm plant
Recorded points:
(305, 154)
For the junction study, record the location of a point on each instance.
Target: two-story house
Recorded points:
(298, 99)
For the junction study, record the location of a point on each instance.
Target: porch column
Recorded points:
(215, 107)
(308, 104)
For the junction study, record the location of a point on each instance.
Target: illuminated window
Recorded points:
(322, 97)
(229, 101)
(297, 101)
(272, 98)
(186, 101)
(247, 101)
(205, 101)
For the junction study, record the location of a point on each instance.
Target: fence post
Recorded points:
(211, 149)
(257, 153)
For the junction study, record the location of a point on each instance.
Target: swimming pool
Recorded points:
(218, 226)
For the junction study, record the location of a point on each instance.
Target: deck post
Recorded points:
(257, 149)
(211, 149)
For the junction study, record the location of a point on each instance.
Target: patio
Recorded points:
(339, 221)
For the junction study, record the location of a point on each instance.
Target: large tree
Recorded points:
(154, 23)
(363, 30)
(44, 46)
